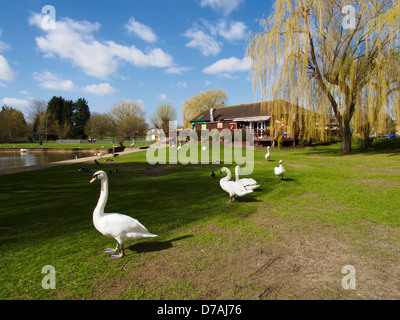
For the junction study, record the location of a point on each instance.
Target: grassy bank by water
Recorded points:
(287, 240)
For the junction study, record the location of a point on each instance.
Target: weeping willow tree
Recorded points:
(379, 101)
(192, 107)
(332, 58)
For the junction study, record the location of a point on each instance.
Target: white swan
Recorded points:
(115, 225)
(232, 187)
(279, 171)
(267, 156)
(248, 183)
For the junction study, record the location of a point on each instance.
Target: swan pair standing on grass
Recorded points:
(115, 225)
(240, 187)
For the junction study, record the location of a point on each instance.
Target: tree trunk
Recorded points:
(365, 140)
(346, 136)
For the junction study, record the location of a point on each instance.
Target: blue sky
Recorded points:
(153, 51)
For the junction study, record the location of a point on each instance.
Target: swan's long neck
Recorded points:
(101, 204)
(237, 174)
(228, 175)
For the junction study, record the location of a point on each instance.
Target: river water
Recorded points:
(19, 159)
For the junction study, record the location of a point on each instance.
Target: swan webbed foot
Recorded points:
(110, 251)
(117, 256)
(120, 255)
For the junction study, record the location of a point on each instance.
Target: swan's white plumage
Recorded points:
(267, 156)
(232, 187)
(115, 225)
(279, 171)
(248, 183)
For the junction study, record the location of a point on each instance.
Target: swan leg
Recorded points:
(111, 251)
(120, 255)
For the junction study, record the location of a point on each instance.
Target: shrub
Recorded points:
(280, 142)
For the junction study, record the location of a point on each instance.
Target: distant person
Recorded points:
(133, 143)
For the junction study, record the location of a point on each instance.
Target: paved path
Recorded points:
(58, 163)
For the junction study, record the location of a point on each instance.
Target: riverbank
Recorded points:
(70, 161)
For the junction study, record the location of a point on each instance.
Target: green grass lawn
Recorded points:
(46, 219)
(54, 145)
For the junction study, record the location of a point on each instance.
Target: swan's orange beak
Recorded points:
(94, 178)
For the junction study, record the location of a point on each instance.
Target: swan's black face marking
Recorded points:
(95, 176)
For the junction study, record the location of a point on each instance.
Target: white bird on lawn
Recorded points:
(232, 187)
(267, 156)
(115, 225)
(180, 146)
(248, 183)
(279, 171)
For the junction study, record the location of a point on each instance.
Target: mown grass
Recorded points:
(54, 145)
(46, 215)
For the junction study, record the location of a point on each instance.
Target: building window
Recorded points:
(220, 125)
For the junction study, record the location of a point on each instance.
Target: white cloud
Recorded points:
(100, 89)
(226, 67)
(51, 81)
(202, 41)
(176, 70)
(13, 102)
(182, 84)
(204, 35)
(226, 6)
(142, 31)
(6, 73)
(153, 58)
(235, 31)
(162, 97)
(74, 41)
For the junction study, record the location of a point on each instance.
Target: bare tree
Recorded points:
(100, 125)
(39, 117)
(129, 117)
(164, 113)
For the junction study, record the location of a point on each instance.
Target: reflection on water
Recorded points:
(19, 159)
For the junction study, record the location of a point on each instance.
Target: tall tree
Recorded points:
(80, 117)
(100, 125)
(39, 117)
(129, 117)
(162, 116)
(322, 54)
(12, 124)
(214, 98)
(60, 114)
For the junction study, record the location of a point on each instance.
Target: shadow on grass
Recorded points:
(378, 146)
(155, 245)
